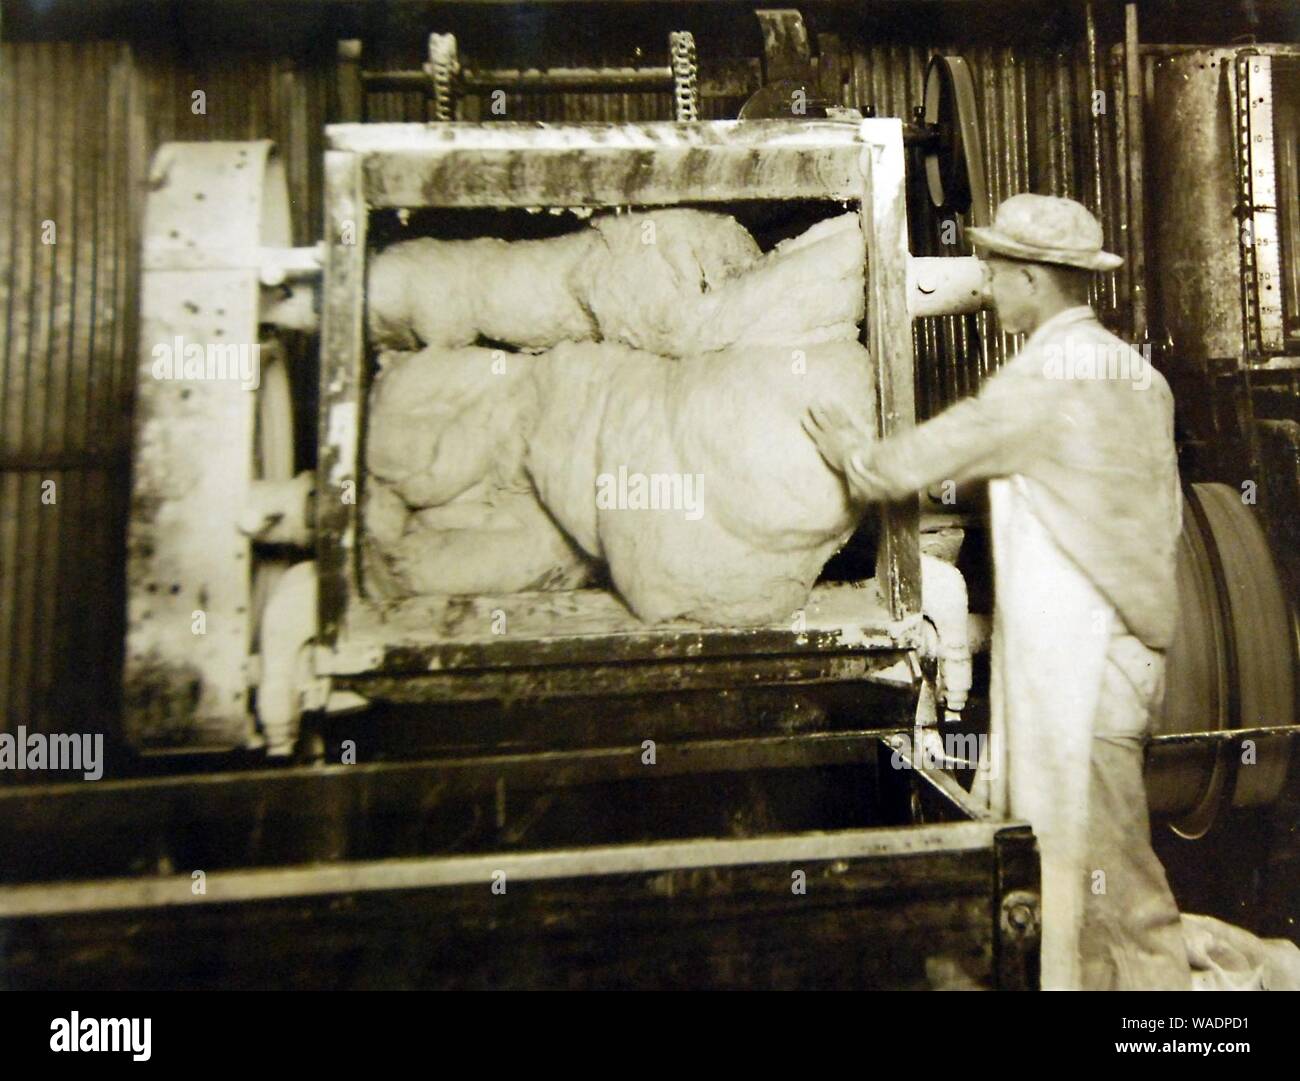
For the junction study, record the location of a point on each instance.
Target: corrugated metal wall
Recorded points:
(82, 119)
(1035, 109)
(66, 221)
(80, 123)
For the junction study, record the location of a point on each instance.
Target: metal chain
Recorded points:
(442, 67)
(681, 46)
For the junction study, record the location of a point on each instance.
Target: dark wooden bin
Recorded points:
(808, 862)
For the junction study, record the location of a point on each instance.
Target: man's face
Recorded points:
(1011, 285)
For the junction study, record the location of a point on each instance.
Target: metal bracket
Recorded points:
(785, 46)
(1021, 915)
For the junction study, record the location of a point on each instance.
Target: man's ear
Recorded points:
(1031, 278)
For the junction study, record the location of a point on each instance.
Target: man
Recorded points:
(1076, 437)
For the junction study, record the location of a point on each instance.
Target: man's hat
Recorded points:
(1045, 229)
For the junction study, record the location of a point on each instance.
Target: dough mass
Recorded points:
(641, 411)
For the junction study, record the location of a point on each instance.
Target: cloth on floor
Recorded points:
(1228, 958)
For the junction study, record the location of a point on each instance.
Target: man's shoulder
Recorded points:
(1086, 347)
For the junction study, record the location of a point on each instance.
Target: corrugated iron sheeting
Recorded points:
(1035, 108)
(80, 124)
(82, 121)
(67, 309)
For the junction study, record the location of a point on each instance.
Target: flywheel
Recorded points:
(954, 165)
(1231, 666)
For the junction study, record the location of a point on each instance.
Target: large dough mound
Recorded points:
(752, 511)
(808, 289)
(452, 292)
(693, 479)
(448, 507)
(644, 283)
(658, 432)
(501, 542)
(441, 420)
(642, 268)
(574, 382)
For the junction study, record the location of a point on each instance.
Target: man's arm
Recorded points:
(972, 440)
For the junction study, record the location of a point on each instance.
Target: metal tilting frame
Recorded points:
(218, 653)
(401, 166)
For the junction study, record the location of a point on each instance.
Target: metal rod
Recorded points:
(1136, 190)
(100, 895)
(349, 95)
(1106, 288)
(1226, 735)
(525, 81)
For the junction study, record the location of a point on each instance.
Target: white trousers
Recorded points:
(1071, 699)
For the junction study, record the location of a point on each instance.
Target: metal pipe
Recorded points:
(944, 605)
(945, 285)
(1225, 735)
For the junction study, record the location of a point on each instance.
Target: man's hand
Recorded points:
(835, 434)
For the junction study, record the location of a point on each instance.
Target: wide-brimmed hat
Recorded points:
(1046, 229)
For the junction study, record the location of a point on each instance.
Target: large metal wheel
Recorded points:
(1186, 782)
(204, 438)
(1231, 666)
(954, 165)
